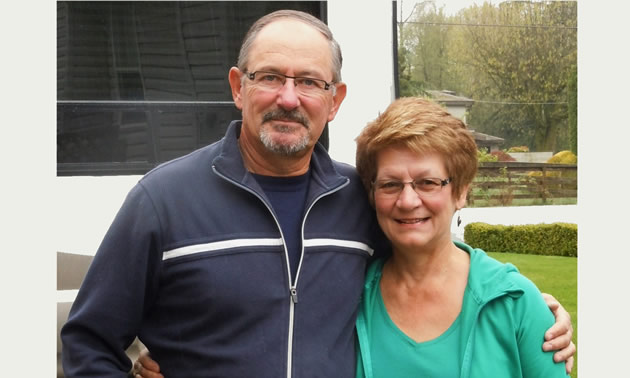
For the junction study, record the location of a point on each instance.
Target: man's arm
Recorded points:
(559, 336)
(107, 312)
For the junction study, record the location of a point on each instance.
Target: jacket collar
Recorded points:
(229, 162)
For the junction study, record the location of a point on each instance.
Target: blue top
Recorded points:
(288, 196)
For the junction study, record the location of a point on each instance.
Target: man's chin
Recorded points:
(286, 144)
(287, 149)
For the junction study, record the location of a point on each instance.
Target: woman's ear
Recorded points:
(460, 202)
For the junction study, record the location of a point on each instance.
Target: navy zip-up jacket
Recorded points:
(195, 265)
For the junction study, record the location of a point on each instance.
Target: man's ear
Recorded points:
(236, 85)
(340, 94)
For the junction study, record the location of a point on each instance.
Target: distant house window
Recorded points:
(140, 83)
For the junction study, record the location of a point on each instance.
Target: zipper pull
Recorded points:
(294, 295)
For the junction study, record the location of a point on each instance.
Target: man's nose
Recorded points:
(288, 97)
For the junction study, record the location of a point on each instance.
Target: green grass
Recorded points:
(554, 275)
(524, 202)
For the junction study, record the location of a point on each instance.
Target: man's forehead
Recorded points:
(288, 42)
(288, 33)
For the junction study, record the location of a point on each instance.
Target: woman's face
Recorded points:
(411, 220)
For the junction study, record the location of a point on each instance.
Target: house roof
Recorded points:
(450, 98)
(486, 139)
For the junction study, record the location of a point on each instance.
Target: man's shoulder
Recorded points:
(197, 162)
(344, 168)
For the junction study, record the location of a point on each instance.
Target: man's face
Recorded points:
(286, 121)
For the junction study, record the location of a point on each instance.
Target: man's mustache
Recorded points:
(281, 114)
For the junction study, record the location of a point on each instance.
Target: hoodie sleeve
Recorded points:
(118, 288)
(532, 318)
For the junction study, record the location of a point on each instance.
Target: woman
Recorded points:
(436, 308)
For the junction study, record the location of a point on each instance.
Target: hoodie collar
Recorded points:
(489, 278)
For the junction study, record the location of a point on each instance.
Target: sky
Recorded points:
(451, 6)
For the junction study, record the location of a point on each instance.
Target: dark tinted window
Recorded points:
(140, 83)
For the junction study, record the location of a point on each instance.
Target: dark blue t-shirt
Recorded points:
(288, 197)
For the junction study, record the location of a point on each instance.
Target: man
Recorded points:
(247, 257)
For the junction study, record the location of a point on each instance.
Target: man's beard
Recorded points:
(283, 148)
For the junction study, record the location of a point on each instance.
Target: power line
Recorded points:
(520, 103)
(493, 25)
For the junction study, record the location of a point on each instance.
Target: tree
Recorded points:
(424, 43)
(513, 59)
(572, 100)
(526, 63)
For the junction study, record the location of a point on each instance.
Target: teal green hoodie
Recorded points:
(503, 324)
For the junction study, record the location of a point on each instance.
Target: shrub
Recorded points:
(502, 155)
(563, 157)
(518, 149)
(483, 156)
(556, 239)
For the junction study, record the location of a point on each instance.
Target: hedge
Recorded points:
(556, 239)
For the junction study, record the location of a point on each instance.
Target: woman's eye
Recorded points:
(389, 185)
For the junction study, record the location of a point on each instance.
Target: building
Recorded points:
(459, 106)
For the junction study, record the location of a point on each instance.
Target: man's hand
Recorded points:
(559, 336)
(145, 367)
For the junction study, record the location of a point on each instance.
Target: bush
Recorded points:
(556, 239)
(518, 149)
(563, 157)
(502, 155)
(483, 156)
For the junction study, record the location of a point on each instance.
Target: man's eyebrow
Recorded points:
(311, 74)
(303, 73)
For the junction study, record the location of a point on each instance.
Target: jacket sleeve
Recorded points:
(118, 288)
(532, 319)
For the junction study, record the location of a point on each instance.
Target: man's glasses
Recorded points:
(425, 186)
(273, 81)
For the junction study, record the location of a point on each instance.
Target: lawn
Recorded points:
(554, 275)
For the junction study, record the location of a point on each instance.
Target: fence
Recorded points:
(520, 183)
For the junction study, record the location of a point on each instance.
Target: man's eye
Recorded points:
(270, 78)
(307, 82)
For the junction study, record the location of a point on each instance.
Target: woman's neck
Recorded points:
(422, 267)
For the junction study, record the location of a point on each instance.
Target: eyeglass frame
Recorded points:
(443, 183)
(327, 86)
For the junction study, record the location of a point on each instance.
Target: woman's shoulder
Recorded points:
(490, 275)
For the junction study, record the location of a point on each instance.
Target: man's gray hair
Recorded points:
(306, 18)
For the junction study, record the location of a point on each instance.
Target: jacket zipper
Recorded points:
(292, 285)
(294, 296)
